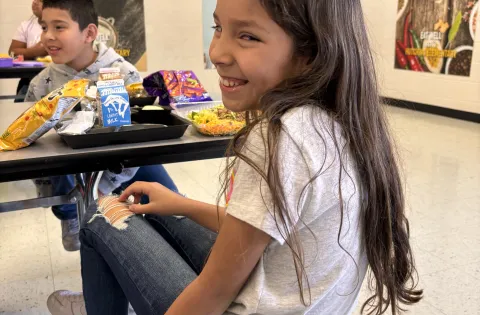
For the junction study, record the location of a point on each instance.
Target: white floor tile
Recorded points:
(455, 246)
(449, 289)
(68, 281)
(25, 297)
(61, 260)
(187, 184)
(25, 217)
(24, 252)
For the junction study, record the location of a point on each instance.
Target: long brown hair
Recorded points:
(340, 80)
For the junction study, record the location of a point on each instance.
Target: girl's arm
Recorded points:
(203, 213)
(165, 202)
(236, 252)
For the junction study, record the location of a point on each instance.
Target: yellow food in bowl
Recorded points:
(217, 121)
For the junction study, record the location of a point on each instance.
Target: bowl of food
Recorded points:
(461, 64)
(472, 23)
(138, 95)
(211, 118)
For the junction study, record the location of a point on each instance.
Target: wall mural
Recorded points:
(436, 36)
(122, 26)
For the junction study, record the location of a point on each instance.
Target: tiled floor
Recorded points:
(441, 159)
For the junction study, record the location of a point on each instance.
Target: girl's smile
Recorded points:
(251, 52)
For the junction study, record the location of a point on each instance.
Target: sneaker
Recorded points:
(70, 231)
(66, 303)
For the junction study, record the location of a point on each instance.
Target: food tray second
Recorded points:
(184, 109)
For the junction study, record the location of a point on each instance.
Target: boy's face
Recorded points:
(62, 37)
(37, 7)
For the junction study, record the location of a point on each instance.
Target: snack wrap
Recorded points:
(43, 116)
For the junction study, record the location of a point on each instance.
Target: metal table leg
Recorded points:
(83, 195)
(78, 198)
(96, 183)
(35, 203)
(88, 184)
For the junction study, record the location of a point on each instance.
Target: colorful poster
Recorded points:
(208, 31)
(436, 36)
(122, 26)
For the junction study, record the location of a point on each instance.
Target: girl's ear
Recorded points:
(300, 64)
(91, 33)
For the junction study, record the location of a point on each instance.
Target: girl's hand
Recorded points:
(163, 201)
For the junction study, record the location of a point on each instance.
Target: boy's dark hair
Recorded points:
(82, 11)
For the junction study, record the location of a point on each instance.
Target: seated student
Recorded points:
(314, 200)
(69, 30)
(26, 42)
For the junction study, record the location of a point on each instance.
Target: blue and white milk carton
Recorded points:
(115, 103)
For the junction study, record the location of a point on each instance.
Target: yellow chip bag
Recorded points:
(43, 116)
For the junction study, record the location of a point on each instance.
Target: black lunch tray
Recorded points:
(142, 101)
(134, 102)
(147, 125)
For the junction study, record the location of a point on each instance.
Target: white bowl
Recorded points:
(458, 49)
(475, 10)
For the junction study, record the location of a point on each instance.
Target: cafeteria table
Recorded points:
(50, 156)
(20, 72)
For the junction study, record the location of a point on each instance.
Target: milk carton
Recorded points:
(115, 103)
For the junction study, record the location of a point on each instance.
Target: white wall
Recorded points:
(174, 37)
(447, 91)
(208, 9)
(175, 41)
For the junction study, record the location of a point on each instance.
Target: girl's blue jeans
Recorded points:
(148, 264)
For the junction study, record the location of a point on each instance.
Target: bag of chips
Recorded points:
(43, 116)
(176, 87)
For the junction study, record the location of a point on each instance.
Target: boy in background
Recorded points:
(69, 29)
(26, 40)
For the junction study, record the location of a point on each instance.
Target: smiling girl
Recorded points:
(315, 198)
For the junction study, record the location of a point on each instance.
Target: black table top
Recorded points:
(20, 72)
(50, 156)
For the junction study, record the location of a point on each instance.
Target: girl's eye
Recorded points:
(44, 28)
(59, 27)
(217, 28)
(249, 38)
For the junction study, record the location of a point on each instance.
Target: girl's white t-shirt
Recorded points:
(29, 32)
(334, 276)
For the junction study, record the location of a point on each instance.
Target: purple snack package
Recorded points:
(176, 87)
